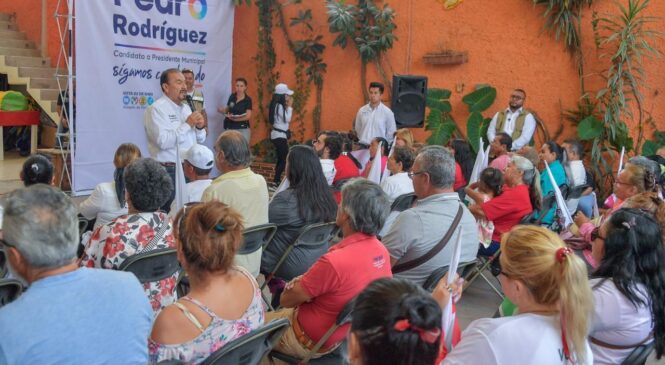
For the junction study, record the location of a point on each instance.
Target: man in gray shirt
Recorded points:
(420, 228)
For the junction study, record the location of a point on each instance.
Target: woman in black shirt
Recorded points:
(238, 110)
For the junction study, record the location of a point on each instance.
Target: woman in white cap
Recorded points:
(280, 117)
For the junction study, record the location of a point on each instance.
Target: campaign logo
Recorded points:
(137, 99)
(125, 100)
(198, 8)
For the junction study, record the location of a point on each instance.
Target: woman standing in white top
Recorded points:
(107, 201)
(399, 164)
(628, 285)
(549, 285)
(279, 118)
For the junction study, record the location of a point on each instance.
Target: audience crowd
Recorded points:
(586, 293)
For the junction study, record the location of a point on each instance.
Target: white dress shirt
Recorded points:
(374, 122)
(509, 127)
(164, 122)
(329, 170)
(102, 204)
(396, 185)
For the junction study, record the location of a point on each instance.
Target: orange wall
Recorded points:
(506, 46)
(29, 20)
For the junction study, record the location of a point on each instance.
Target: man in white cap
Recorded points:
(197, 164)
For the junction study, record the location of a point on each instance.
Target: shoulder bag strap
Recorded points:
(435, 250)
(157, 237)
(600, 343)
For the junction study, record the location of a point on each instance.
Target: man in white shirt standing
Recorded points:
(373, 120)
(515, 121)
(170, 124)
(198, 162)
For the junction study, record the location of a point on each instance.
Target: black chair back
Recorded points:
(251, 348)
(253, 238)
(403, 202)
(153, 265)
(316, 234)
(639, 355)
(576, 192)
(3, 264)
(439, 273)
(10, 289)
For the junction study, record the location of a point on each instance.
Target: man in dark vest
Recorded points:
(197, 95)
(515, 121)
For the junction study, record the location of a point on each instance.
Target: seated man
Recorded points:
(240, 188)
(328, 147)
(500, 148)
(419, 229)
(70, 314)
(313, 301)
(197, 164)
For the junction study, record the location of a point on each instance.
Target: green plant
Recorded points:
(651, 146)
(443, 126)
(265, 150)
(266, 77)
(368, 27)
(626, 39)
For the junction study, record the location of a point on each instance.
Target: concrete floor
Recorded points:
(478, 301)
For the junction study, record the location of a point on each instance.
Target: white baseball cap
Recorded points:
(283, 89)
(200, 156)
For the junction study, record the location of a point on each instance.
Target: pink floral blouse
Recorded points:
(125, 236)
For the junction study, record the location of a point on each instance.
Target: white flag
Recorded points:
(623, 150)
(375, 170)
(386, 172)
(448, 317)
(596, 212)
(180, 183)
(560, 201)
(478, 164)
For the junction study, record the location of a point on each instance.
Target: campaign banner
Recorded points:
(121, 49)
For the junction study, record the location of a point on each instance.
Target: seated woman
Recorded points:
(143, 229)
(224, 301)
(307, 200)
(399, 164)
(373, 147)
(404, 138)
(632, 180)
(107, 201)
(551, 154)
(519, 197)
(489, 187)
(464, 162)
(628, 286)
(312, 301)
(394, 322)
(37, 169)
(549, 285)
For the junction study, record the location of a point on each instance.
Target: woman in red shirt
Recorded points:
(519, 197)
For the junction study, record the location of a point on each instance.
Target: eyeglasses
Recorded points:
(595, 235)
(412, 174)
(5, 243)
(516, 97)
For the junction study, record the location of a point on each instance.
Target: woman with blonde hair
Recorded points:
(404, 137)
(549, 285)
(107, 201)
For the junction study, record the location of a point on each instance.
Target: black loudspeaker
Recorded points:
(409, 100)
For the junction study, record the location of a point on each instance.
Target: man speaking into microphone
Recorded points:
(170, 124)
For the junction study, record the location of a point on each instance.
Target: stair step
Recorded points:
(40, 72)
(5, 17)
(11, 34)
(5, 24)
(44, 83)
(17, 43)
(49, 94)
(19, 52)
(27, 61)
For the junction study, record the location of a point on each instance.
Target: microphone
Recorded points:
(190, 102)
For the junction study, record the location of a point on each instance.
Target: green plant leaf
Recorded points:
(649, 148)
(589, 128)
(473, 130)
(481, 99)
(439, 93)
(438, 99)
(441, 135)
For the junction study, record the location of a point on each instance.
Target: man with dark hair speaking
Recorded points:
(170, 124)
(515, 121)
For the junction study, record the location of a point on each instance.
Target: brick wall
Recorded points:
(266, 169)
